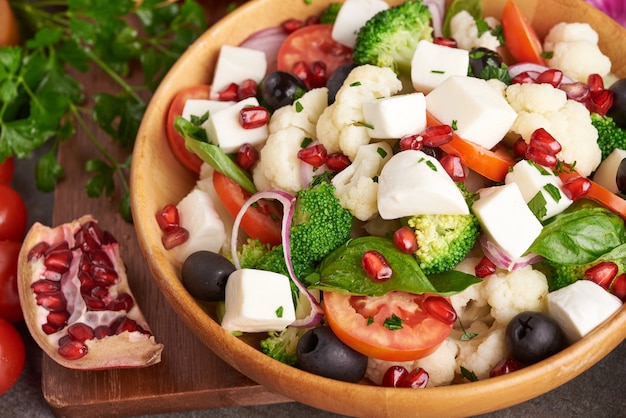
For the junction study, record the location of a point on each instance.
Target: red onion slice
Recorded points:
(516, 69)
(436, 8)
(269, 41)
(501, 259)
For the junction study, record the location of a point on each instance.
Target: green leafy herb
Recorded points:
(279, 312)
(537, 205)
(370, 320)
(469, 375)
(393, 323)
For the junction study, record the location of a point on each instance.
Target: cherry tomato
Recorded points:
(7, 169)
(359, 321)
(520, 38)
(310, 44)
(12, 355)
(10, 308)
(261, 221)
(9, 30)
(177, 142)
(13, 215)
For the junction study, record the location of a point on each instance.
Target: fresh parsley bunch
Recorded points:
(41, 103)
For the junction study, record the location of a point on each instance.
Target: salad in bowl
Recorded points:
(405, 203)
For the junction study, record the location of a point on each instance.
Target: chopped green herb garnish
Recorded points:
(305, 142)
(393, 323)
(469, 375)
(453, 126)
(355, 84)
(381, 152)
(279, 312)
(299, 107)
(370, 320)
(431, 165)
(553, 191)
(537, 205)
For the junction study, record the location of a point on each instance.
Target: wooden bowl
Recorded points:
(157, 179)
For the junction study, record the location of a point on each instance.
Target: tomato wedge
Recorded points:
(520, 38)
(601, 195)
(177, 142)
(261, 220)
(492, 164)
(366, 324)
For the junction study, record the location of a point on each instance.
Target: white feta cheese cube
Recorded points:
(395, 116)
(257, 301)
(606, 174)
(414, 183)
(581, 307)
(352, 16)
(200, 107)
(236, 64)
(506, 219)
(540, 187)
(224, 128)
(432, 64)
(479, 113)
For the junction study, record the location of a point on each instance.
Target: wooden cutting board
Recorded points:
(190, 376)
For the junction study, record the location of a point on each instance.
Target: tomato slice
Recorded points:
(359, 321)
(313, 43)
(601, 195)
(177, 142)
(492, 164)
(261, 220)
(520, 38)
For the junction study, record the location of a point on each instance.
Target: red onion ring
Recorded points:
(269, 41)
(436, 8)
(502, 260)
(518, 68)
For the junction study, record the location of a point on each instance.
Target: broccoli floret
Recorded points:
(610, 136)
(329, 15)
(389, 39)
(281, 345)
(252, 252)
(443, 240)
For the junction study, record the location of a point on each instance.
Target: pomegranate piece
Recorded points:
(602, 273)
(175, 237)
(618, 288)
(168, 218)
(376, 266)
(443, 41)
(484, 268)
(318, 74)
(83, 314)
(505, 366)
(337, 162)
(435, 136)
(291, 25)
(247, 156)
(440, 308)
(247, 89)
(314, 155)
(453, 166)
(253, 117)
(404, 238)
(551, 76)
(576, 188)
(229, 93)
(398, 376)
(411, 142)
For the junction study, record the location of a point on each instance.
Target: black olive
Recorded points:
(336, 79)
(281, 88)
(204, 275)
(618, 109)
(321, 352)
(533, 336)
(487, 64)
(620, 176)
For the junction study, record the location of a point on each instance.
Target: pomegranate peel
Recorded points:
(92, 322)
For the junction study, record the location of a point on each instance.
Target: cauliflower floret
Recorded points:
(355, 186)
(574, 50)
(470, 304)
(509, 293)
(481, 353)
(340, 127)
(464, 30)
(279, 166)
(568, 121)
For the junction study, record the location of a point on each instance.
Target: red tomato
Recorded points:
(12, 355)
(10, 308)
(261, 221)
(177, 142)
(13, 215)
(520, 38)
(313, 43)
(358, 321)
(7, 169)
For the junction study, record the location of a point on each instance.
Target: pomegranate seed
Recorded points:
(80, 332)
(94, 304)
(58, 260)
(440, 308)
(124, 324)
(99, 258)
(542, 139)
(38, 250)
(540, 156)
(247, 89)
(312, 20)
(104, 276)
(404, 238)
(301, 70)
(58, 319)
(102, 331)
(376, 266)
(229, 93)
(52, 275)
(411, 142)
(453, 166)
(90, 235)
(519, 148)
(253, 117)
(50, 328)
(291, 25)
(484, 268)
(337, 162)
(53, 301)
(174, 238)
(98, 292)
(595, 83)
(602, 273)
(601, 102)
(577, 91)
(505, 366)
(127, 300)
(393, 375)
(72, 350)
(247, 156)
(168, 218)
(619, 287)
(576, 188)
(435, 136)
(526, 77)
(551, 76)
(314, 155)
(45, 286)
(416, 379)
(318, 74)
(443, 41)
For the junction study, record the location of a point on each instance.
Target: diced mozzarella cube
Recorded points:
(395, 116)
(236, 64)
(581, 307)
(352, 16)
(200, 107)
(506, 219)
(432, 64)
(224, 128)
(606, 174)
(414, 183)
(479, 113)
(532, 180)
(257, 301)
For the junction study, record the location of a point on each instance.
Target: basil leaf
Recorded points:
(451, 282)
(473, 7)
